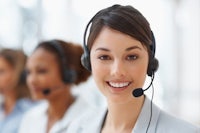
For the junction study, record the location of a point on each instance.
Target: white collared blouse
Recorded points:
(161, 122)
(35, 121)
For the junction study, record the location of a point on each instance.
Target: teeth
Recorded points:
(119, 85)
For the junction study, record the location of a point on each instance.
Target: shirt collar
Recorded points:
(71, 114)
(144, 117)
(141, 123)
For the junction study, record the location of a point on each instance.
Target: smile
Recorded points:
(119, 85)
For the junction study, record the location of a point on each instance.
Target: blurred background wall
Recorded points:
(175, 23)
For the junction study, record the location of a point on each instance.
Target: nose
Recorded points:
(118, 69)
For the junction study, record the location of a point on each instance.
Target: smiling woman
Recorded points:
(51, 74)
(113, 56)
(120, 53)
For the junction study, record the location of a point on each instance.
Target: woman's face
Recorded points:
(43, 73)
(119, 64)
(7, 75)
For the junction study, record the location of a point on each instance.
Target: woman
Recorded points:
(120, 53)
(52, 70)
(13, 89)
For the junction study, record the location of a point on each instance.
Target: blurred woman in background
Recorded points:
(13, 89)
(52, 70)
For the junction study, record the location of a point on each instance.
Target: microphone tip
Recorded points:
(46, 91)
(138, 92)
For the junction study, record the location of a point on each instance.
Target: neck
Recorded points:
(58, 106)
(9, 104)
(122, 117)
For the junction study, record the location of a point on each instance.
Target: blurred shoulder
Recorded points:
(39, 108)
(25, 104)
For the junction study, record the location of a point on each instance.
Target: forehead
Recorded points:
(42, 56)
(114, 39)
(4, 62)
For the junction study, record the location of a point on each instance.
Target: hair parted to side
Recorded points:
(72, 53)
(17, 60)
(127, 20)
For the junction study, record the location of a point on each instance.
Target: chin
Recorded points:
(119, 99)
(37, 97)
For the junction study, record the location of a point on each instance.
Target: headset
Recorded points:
(151, 69)
(153, 62)
(68, 75)
(22, 77)
(85, 58)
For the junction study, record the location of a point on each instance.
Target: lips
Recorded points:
(119, 84)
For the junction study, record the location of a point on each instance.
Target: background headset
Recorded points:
(22, 77)
(85, 58)
(68, 75)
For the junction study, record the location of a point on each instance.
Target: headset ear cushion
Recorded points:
(85, 61)
(22, 78)
(70, 76)
(153, 67)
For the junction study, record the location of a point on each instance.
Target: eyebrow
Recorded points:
(133, 47)
(103, 49)
(127, 49)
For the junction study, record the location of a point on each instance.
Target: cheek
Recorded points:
(7, 80)
(140, 73)
(96, 69)
(99, 71)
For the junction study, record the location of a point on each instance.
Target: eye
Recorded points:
(104, 57)
(42, 71)
(132, 57)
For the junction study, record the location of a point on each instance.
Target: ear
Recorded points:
(22, 78)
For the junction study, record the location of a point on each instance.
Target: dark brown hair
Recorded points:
(72, 53)
(127, 20)
(17, 60)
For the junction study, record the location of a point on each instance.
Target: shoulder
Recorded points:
(33, 115)
(170, 123)
(162, 121)
(37, 110)
(25, 104)
(34, 118)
